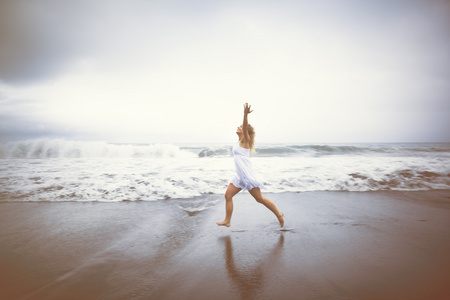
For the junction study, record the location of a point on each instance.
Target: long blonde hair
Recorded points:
(251, 134)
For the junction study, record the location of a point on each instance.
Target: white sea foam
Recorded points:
(58, 170)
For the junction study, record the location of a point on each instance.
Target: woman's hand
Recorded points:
(247, 109)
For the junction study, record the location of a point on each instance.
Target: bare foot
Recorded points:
(281, 219)
(224, 223)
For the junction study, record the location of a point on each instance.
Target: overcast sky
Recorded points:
(179, 71)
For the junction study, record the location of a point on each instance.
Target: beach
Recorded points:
(336, 245)
(123, 124)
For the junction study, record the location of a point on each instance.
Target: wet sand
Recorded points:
(339, 245)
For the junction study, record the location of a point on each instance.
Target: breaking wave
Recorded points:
(60, 148)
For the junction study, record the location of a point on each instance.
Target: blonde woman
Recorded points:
(245, 178)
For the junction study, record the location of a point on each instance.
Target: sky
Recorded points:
(142, 71)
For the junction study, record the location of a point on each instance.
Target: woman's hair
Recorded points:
(251, 134)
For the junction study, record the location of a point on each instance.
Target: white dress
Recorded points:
(245, 176)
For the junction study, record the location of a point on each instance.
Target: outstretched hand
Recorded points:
(247, 109)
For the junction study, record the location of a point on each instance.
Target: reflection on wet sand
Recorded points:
(250, 279)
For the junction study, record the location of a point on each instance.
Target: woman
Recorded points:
(245, 178)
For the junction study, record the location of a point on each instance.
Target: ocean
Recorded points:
(65, 170)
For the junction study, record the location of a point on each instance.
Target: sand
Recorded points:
(339, 245)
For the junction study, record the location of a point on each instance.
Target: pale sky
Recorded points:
(179, 71)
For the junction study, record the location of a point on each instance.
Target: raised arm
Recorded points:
(245, 122)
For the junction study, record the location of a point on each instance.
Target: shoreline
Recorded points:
(339, 245)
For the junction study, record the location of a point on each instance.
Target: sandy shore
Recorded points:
(340, 245)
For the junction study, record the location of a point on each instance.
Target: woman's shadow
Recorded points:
(250, 279)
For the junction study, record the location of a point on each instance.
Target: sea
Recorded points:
(67, 170)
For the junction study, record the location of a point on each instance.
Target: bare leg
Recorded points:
(256, 193)
(229, 194)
